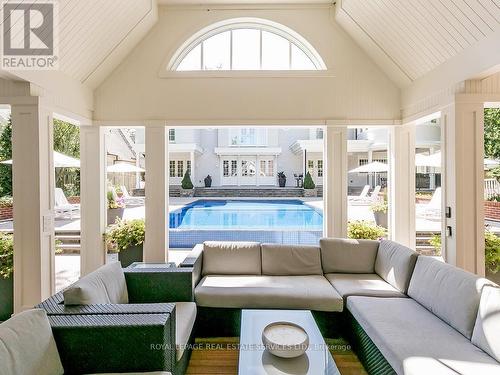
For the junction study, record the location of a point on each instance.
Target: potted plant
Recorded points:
(126, 237)
(6, 276)
(208, 181)
(187, 188)
(379, 210)
(365, 230)
(116, 207)
(309, 186)
(492, 256)
(281, 179)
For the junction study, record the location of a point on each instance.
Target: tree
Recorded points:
(186, 181)
(6, 154)
(492, 133)
(308, 182)
(67, 141)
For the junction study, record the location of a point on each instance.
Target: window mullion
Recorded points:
(289, 55)
(260, 49)
(201, 55)
(231, 50)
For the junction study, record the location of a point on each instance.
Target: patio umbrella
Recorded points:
(490, 163)
(124, 168)
(60, 161)
(433, 160)
(373, 167)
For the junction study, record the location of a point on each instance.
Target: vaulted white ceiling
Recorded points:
(418, 35)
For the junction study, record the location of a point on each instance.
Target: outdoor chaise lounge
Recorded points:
(366, 199)
(129, 199)
(431, 210)
(404, 314)
(62, 206)
(114, 317)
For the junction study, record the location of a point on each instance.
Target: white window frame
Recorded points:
(242, 23)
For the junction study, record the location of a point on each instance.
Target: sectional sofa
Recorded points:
(404, 313)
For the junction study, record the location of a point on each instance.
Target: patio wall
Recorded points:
(492, 210)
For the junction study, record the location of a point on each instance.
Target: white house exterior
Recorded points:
(253, 156)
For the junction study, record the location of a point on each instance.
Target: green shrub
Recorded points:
(6, 255)
(308, 182)
(380, 206)
(112, 202)
(366, 230)
(435, 242)
(126, 233)
(186, 181)
(6, 202)
(494, 198)
(492, 251)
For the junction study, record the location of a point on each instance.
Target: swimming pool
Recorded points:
(276, 221)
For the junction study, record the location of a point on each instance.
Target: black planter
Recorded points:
(113, 213)
(130, 255)
(282, 182)
(208, 181)
(381, 219)
(6, 298)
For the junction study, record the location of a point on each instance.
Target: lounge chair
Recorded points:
(362, 195)
(129, 199)
(62, 206)
(372, 198)
(431, 210)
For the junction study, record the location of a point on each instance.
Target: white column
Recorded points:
(335, 181)
(93, 200)
(464, 179)
(401, 184)
(33, 190)
(157, 219)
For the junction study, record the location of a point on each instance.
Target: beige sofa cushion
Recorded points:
(185, 316)
(415, 341)
(27, 345)
(362, 284)
(340, 255)
(104, 285)
(486, 333)
(290, 260)
(447, 291)
(231, 258)
(274, 292)
(395, 264)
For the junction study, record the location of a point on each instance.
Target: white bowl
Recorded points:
(285, 339)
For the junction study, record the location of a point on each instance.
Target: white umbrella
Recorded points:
(373, 167)
(433, 160)
(490, 163)
(60, 161)
(124, 168)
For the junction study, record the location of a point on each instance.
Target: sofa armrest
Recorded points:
(89, 344)
(159, 286)
(194, 260)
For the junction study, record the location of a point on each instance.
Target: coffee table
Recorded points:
(255, 359)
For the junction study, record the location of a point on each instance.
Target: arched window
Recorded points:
(246, 44)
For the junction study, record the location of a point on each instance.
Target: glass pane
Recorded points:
(300, 61)
(275, 52)
(246, 49)
(192, 61)
(216, 52)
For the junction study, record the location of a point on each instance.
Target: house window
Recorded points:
(172, 168)
(246, 45)
(244, 168)
(248, 137)
(320, 168)
(180, 168)
(234, 168)
(267, 168)
(188, 167)
(319, 133)
(225, 168)
(171, 135)
(365, 161)
(310, 166)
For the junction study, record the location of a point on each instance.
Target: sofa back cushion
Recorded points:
(448, 292)
(395, 264)
(486, 334)
(340, 255)
(104, 285)
(27, 345)
(290, 260)
(231, 258)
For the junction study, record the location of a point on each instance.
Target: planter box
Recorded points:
(6, 213)
(381, 219)
(130, 255)
(6, 298)
(114, 213)
(310, 192)
(492, 210)
(186, 193)
(74, 200)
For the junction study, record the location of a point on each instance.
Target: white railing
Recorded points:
(491, 188)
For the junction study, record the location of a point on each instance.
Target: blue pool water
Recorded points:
(276, 221)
